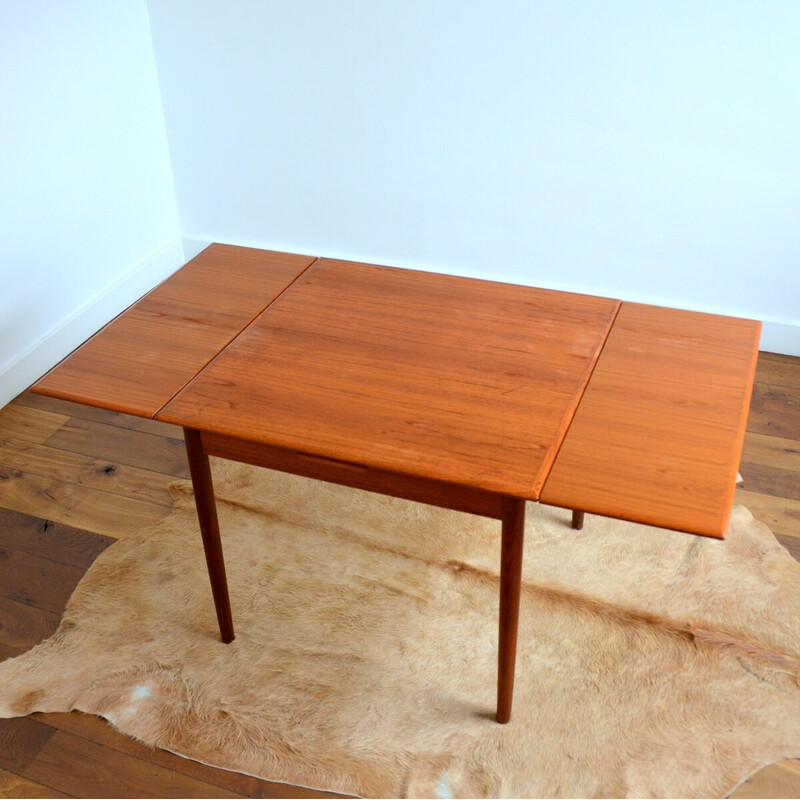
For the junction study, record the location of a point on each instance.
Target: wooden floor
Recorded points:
(73, 478)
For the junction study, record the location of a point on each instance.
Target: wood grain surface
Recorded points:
(394, 484)
(457, 380)
(658, 435)
(143, 357)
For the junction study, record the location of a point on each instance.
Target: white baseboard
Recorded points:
(781, 337)
(29, 365)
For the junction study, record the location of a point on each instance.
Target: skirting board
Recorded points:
(780, 337)
(78, 326)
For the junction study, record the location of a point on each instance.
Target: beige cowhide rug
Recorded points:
(650, 663)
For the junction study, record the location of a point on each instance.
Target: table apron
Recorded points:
(357, 476)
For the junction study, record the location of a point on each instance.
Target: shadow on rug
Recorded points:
(650, 663)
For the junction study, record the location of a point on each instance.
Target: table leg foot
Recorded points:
(510, 583)
(577, 520)
(200, 470)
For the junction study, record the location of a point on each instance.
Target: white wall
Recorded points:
(637, 149)
(88, 219)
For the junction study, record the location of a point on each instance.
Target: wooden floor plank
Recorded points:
(767, 356)
(75, 505)
(779, 513)
(30, 400)
(36, 581)
(23, 625)
(51, 540)
(778, 370)
(770, 480)
(791, 543)
(771, 451)
(21, 740)
(775, 410)
(8, 651)
(29, 424)
(13, 786)
(122, 446)
(103, 474)
(85, 769)
(99, 731)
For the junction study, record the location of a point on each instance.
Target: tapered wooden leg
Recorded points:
(510, 581)
(200, 471)
(577, 520)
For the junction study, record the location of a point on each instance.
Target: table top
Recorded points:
(659, 432)
(614, 408)
(141, 359)
(464, 381)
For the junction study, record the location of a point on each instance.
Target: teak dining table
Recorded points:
(468, 394)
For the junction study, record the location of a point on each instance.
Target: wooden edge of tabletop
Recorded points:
(356, 476)
(142, 358)
(658, 435)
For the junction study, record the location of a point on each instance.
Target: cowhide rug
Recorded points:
(650, 663)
